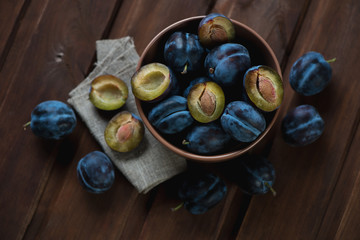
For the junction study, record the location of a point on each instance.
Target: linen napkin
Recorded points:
(150, 163)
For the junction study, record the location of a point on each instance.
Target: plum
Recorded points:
(193, 82)
(264, 87)
(206, 101)
(215, 29)
(310, 74)
(124, 132)
(52, 119)
(96, 172)
(302, 126)
(242, 121)
(200, 191)
(227, 63)
(206, 139)
(108, 92)
(254, 174)
(183, 52)
(171, 115)
(153, 82)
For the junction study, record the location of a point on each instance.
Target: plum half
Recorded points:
(108, 92)
(215, 29)
(153, 82)
(124, 132)
(264, 87)
(206, 101)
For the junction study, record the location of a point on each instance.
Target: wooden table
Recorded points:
(48, 47)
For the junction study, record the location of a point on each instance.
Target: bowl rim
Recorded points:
(192, 156)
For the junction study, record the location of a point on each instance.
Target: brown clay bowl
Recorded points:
(260, 53)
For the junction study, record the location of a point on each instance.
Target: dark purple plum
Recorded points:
(264, 87)
(171, 116)
(255, 175)
(124, 132)
(302, 126)
(206, 139)
(193, 82)
(310, 74)
(215, 29)
(96, 172)
(153, 82)
(183, 52)
(52, 120)
(227, 63)
(242, 121)
(201, 191)
(206, 101)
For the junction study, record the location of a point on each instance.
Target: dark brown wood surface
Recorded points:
(48, 47)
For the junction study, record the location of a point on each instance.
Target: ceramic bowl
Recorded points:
(260, 53)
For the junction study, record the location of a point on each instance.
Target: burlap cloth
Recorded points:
(150, 163)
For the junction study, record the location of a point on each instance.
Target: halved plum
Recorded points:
(124, 132)
(206, 101)
(108, 92)
(153, 82)
(264, 87)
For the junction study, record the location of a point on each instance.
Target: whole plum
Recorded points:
(201, 191)
(227, 63)
(206, 139)
(242, 121)
(171, 116)
(96, 172)
(302, 126)
(310, 74)
(255, 175)
(52, 120)
(215, 29)
(183, 52)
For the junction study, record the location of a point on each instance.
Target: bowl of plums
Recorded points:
(208, 87)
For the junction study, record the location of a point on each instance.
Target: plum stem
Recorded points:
(331, 60)
(185, 142)
(26, 125)
(271, 189)
(177, 207)
(185, 69)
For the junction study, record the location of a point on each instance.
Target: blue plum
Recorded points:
(215, 29)
(52, 120)
(310, 74)
(227, 63)
(96, 172)
(302, 126)
(171, 116)
(201, 191)
(206, 139)
(242, 121)
(183, 52)
(255, 175)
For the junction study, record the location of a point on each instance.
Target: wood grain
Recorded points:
(307, 176)
(52, 51)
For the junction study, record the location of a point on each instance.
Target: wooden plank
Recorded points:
(10, 16)
(51, 53)
(307, 176)
(120, 213)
